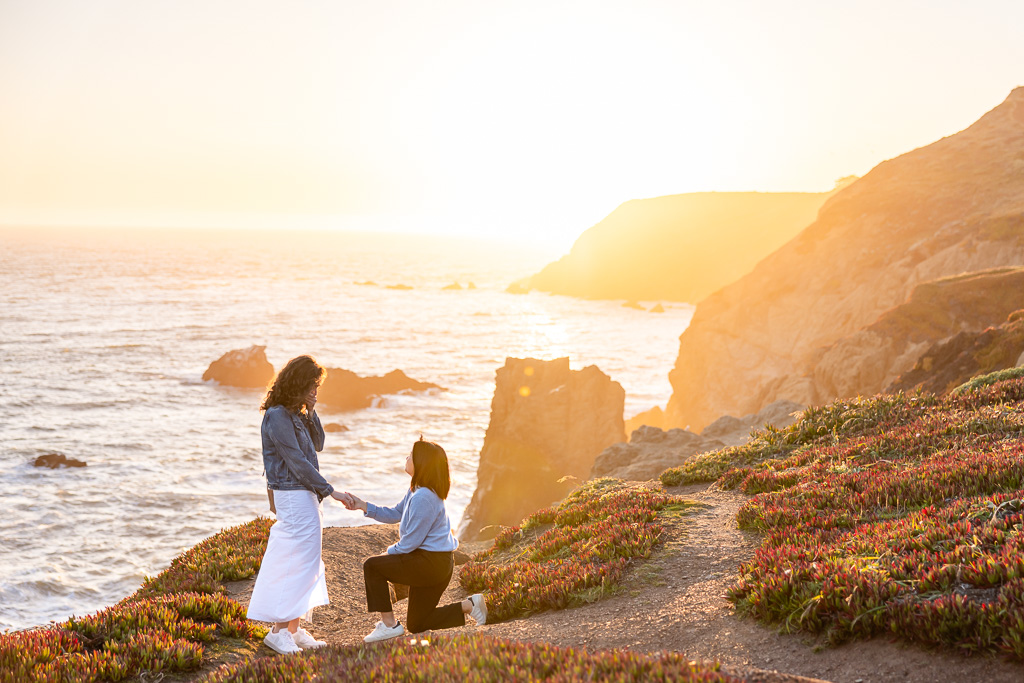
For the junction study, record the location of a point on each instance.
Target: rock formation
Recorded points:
(247, 368)
(650, 452)
(55, 460)
(954, 206)
(735, 431)
(335, 427)
(869, 360)
(345, 390)
(547, 423)
(679, 247)
(947, 365)
(655, 417)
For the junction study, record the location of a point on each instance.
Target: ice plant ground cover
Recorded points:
(572, 554)
(231, 555)
(893, 515)
(451, 659)
(167, 626)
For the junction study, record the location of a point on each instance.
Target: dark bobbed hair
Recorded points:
(293, 383)
(430, 468)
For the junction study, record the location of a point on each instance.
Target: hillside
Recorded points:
(954, 206)
(867, 521)
(678, 247)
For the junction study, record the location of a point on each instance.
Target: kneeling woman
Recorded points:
(423, 558)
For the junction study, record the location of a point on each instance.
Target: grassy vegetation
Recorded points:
(466, 658)
(570, 555)
(166, 627)
(898, 515)
(989, 379)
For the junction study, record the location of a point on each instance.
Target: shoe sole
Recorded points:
(367, 639)
(283, 652)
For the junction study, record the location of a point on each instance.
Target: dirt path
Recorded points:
(673, 602)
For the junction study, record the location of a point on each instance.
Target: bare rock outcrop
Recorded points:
(55, 460)
(248, 368)
(947, 365)
(735, 431)
(655, 417)
(951, 207)
(869, 360)
(547, 423)
(650, 452)
(345, 390)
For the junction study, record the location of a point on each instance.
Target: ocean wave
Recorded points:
(93, 405)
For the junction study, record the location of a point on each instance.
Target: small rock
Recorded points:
(55, 460)
(453, 286)
(657, 308)
(335, 427)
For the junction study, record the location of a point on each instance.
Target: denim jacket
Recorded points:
(289, 452)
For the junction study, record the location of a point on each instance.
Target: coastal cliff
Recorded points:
(548, 424)
(678, 247)
(951, 207)
(869, 360)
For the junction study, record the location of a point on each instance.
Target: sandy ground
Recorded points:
(674, 601)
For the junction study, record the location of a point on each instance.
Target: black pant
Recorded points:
(427, 575)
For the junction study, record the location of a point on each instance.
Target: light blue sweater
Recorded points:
(423, 522)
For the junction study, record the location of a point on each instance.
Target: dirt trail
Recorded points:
(672, 602)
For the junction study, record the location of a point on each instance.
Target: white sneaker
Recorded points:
(479, 611)
(384, 632)
(281, 642)
(306, 641)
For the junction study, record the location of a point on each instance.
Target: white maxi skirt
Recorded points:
(291, 580)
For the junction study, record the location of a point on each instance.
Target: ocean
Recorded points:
(105, 335)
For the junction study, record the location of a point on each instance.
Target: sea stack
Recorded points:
(247, 368)
(345, 390)
(548, 424)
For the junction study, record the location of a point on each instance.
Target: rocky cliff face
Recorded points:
(946, 365)
(679, 247)
(869, 360)
(954, 206)
(547, 422)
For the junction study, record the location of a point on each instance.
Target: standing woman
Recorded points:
(291, 579)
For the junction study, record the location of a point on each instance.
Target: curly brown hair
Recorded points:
(293, 383)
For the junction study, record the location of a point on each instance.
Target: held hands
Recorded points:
(350, 500)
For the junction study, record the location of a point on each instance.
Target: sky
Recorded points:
(525, 120)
